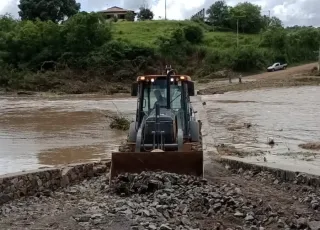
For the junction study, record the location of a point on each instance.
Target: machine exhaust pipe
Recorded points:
(169, 73)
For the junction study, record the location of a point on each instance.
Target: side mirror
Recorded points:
(134, 89)
(191, 90)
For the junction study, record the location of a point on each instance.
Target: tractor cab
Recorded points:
(172, 95)
(165, 135)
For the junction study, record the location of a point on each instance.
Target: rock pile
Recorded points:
(166, 201)
(171, 201)
(147, 182)
(162, 201)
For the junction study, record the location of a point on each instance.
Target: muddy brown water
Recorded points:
(39, 131)
(48, 131)
(289, 116)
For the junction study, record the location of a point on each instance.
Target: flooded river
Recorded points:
(38, 131)
(248, 121)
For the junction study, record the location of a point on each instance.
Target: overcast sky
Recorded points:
(291, 12)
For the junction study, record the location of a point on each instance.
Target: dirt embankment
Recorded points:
(74, 88)
(294, 76)
(311, 146)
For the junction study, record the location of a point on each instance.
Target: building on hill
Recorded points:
(115, 11)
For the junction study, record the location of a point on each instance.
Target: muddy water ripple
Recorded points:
(37, 131)
(48, 131)
(249, 120)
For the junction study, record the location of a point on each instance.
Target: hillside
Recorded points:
(219, 50)
(85, 55)
(147, 32)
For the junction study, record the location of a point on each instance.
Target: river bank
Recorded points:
(75, 88)
(300, 75)
(303, 75)
(261, 84)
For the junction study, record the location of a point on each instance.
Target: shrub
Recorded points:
(247, 59)
(193, 33)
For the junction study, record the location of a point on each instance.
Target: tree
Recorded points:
(274, 37)
(173, 45)
(248, 16)
(29, 44)
(130, 16)
(145, 14)
(54, 10)
(7, 23)
(273, 22)
(219, 14)
(85, 32)
(193, 33)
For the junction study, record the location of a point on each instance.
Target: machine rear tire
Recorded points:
(197, 146)
(132, 135)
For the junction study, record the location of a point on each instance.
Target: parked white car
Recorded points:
(277, 66)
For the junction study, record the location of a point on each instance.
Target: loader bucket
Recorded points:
(189, 163)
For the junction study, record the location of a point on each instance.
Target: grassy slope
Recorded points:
(146, 32)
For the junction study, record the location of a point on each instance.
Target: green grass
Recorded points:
(147, 32)
(224, 40)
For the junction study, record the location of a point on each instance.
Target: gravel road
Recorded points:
(225, 200)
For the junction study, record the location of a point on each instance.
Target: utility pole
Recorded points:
(269, 12)
(165, 9)
(318, 58)
(238, 28)
(269, 16)
(237, 32)
(318, 51)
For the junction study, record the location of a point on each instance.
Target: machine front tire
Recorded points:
(195, 131)
(125, 147)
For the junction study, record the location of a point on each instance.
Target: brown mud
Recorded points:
(311, 146)
(294, 76)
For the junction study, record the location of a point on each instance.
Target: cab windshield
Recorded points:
(156, 92)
